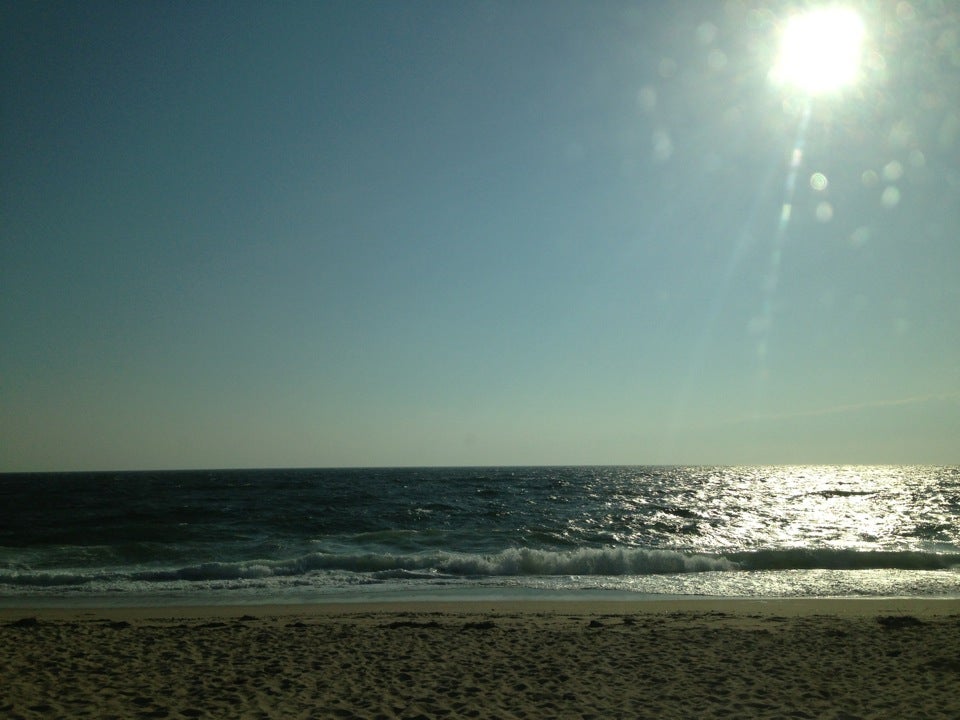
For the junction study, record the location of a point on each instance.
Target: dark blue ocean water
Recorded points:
(314, 535)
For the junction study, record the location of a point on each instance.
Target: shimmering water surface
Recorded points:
(309, 535)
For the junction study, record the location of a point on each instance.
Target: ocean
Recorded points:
(291, 536)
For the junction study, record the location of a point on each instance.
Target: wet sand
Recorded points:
(691, 659)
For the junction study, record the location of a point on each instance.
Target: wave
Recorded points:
(26, 578)
(515, 562)
(844, 559)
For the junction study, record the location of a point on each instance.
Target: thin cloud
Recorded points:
(852, 407)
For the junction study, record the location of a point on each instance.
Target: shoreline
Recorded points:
(791, 607)
(706, 658)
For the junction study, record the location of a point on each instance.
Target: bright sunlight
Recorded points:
(820, 50)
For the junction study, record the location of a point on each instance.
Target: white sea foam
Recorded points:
(514, 562)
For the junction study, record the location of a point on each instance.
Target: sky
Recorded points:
(328, 234)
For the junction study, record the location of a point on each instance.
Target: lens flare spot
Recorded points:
(647, 99)
(860, 236)
(819, 182)
(824, 212)
(890, 197)
(892, 171)
(662, 146)
(717, 60)
(785, 212)
(906, 12)
(667, 68)
(706, 33)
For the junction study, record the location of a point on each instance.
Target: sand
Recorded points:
(711, 659)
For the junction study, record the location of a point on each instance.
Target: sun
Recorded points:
(820, 51)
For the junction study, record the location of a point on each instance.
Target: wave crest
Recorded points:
(515, 562)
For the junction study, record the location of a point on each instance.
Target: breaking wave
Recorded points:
(516, 562)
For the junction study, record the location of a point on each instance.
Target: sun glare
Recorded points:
(820, 50)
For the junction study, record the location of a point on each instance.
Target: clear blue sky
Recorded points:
(453, 233)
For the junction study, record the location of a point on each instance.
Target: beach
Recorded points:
(810, 658)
